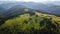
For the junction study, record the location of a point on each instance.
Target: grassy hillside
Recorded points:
(39, 23)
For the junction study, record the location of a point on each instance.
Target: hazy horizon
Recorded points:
(31, 0)
(56, 2)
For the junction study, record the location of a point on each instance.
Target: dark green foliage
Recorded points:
(25, 21)
(32, 13)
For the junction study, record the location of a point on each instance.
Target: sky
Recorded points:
(30, 0)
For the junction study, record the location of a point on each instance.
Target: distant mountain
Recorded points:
(48, 7)
(16, 9)
(5, 6)
(44, 7)
(2, 9)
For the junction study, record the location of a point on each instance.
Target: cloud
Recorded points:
(30, 0)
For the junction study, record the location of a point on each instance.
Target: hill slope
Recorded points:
(34, 23)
